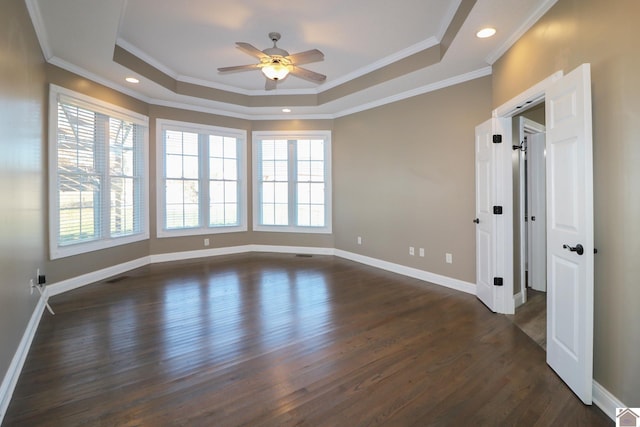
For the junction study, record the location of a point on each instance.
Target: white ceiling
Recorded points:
(188, 40)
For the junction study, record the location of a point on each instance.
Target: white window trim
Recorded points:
(258, 136)
(241, 135)
(112, 110)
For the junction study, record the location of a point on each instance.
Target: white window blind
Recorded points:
(97, 174)
(292, 181)
(202, 179)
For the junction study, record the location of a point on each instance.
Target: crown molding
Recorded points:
(38, 24)
(184, 97)
(522, 29)
(482, 72)
(260, 92)
(381, 63)
(247, 113)
(142, 55)
(61, 63)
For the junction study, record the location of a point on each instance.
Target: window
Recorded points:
(292, 181)
(98, 174)
(201, 179)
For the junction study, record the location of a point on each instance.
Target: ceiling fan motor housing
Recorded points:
(275, 50)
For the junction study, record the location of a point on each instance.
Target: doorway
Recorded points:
(529, 187)
(569, 214)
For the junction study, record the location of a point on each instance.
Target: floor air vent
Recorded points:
(116, 279)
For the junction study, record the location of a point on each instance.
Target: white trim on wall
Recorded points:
(15, 368)
(415, 273)
(86, 279)
(95, 276)
(606, 401)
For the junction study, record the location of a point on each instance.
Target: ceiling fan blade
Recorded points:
(307, 74)
(306, 57)
(251, 50)
(270, 84)
(238, 68)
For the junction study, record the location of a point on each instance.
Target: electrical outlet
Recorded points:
(422, 252)
(359, 240)
(206, 242)
(448, 258)
(412, 251)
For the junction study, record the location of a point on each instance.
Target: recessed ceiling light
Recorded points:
(486, 32)
(132, 80)
(286, 110)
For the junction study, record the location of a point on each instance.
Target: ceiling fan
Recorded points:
(276, 63)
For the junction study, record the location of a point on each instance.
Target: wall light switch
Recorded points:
(359, 240)
(422, 252)
(449, 258)
(412, 251)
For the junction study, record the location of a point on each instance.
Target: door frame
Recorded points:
(525, 127)
(530, 97)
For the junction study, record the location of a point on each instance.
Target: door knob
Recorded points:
(477, 221)
(577, 248)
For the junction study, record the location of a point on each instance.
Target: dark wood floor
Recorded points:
(279, 340)
(532, 317)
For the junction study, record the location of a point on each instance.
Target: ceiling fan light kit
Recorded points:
(276, 63)
(276, 69)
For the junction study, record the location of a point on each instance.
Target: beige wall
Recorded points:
(404, 176)
(606, 35)
(22, 182)
(427, 183)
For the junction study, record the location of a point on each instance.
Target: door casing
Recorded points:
(532, 96)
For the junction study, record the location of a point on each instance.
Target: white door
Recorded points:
(570, 246)
(485, 227)
(537, 212)
(493, 189)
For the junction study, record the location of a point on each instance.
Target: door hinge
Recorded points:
(497, 210)
(497, 281)
(497, 139)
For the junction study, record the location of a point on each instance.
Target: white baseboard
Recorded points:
(306, 250)
(85, 279)
(437, 279)
(606, 401)
(518, 299)
(201, 253)
(205, 253)
(95, 276)
(15, 368)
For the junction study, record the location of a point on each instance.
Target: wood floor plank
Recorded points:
(279, 340)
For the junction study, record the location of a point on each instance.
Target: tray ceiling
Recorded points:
(375, 51)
